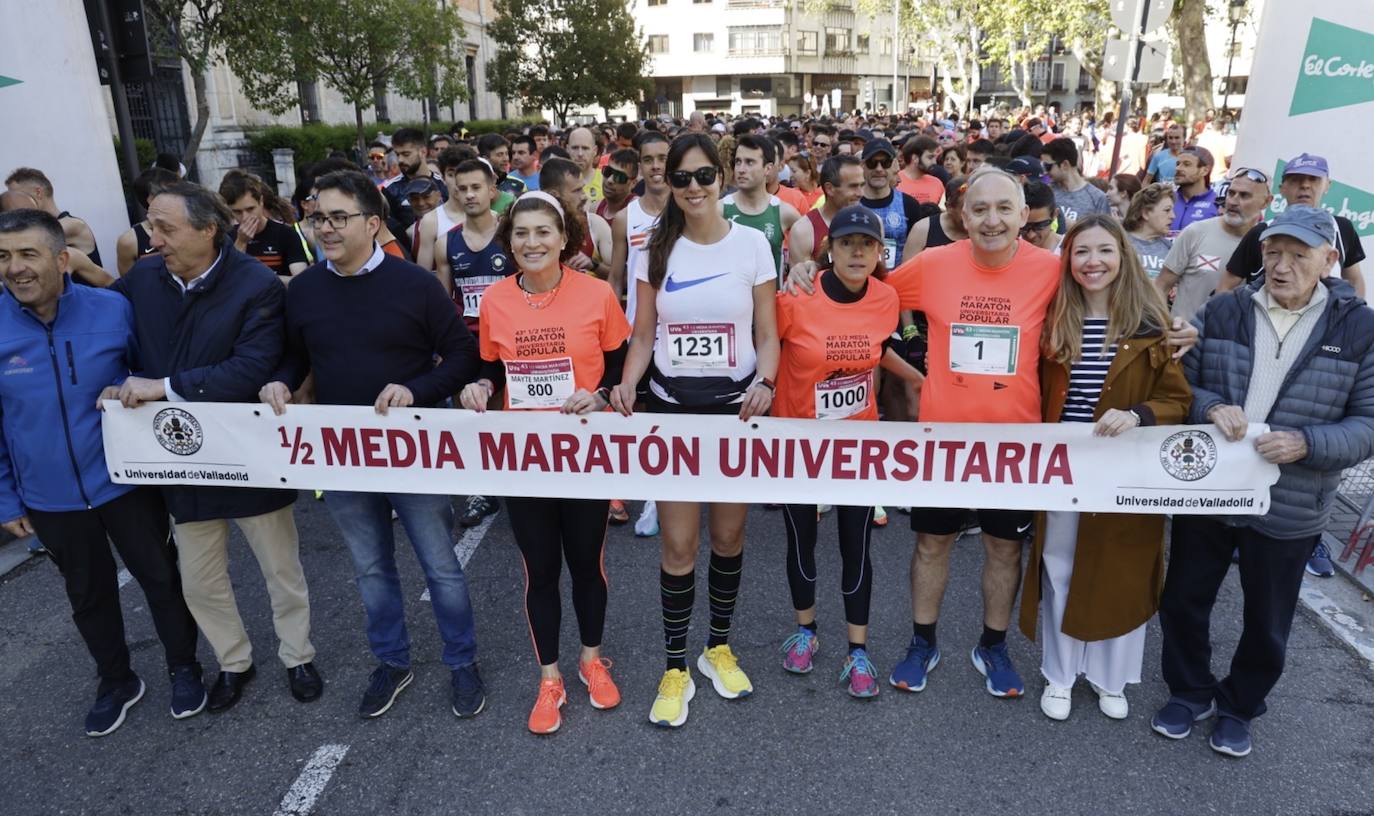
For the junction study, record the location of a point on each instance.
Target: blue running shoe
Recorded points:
(1175, 720)
(1319, 563)
(994, 663)
(188, 691)
(862, 677)
(921, 658)
(112, 702)
(1230, 737)
(798, 651)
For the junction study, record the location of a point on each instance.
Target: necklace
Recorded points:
(541, 300)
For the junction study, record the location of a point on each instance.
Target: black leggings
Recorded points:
(549, 532)
(856, 580)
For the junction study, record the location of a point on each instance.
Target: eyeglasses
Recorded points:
(1250, 173)
(376, 156)
(820, 144)
(615, 176)
(682, 179)
(1037, 226)
(875, 162)
(336, 221)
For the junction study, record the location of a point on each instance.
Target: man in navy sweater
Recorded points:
(368, 326)
(62, 346)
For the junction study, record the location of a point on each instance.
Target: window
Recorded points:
(1040, 75)
(702, 43)
(1085, 82)
(724, 86)
(836, 40)
(658, 2)
(861, 44)
(658, 43)
(887, 47)
(755, 41)
(701, 2)
(756, 86)
(808, 42)
(1057, 77)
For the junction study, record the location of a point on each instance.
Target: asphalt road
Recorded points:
(798, 745)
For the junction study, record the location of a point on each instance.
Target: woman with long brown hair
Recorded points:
(706, 332)
(1096, 578)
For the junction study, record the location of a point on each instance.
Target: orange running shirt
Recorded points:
(799, 200)
(927, 189)
(984, 337)
(829, 352)
(551, 352)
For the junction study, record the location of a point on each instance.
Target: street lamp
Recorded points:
(1235, 12)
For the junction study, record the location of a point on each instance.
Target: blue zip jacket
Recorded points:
(52, 456)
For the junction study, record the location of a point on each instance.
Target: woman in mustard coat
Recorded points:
(1095, 578)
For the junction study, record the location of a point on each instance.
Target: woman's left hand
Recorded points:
(757, 400)
(1113, 422)
(583, 402)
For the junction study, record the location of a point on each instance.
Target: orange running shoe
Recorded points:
(596, 676)
(545, 719)
(617, 513)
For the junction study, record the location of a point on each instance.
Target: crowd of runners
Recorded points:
(858, 268)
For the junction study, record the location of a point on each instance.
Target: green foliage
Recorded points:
(147, 154)
(315, 142)
(561, 54)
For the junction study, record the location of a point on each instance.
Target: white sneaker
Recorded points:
(646, 525)
(1113, 705)
(1056, 701)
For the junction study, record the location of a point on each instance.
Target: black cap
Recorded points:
(856, 220)
(875, 146)
(1026, 166)
(421, 186)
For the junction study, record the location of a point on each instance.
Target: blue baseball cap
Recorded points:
(1306, 164)
(1310, 225)
(856, 220)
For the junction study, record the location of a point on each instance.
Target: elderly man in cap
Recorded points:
(1294, 350)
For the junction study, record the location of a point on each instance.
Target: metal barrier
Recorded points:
(1356, 491)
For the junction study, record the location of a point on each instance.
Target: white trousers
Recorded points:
(1108, 664)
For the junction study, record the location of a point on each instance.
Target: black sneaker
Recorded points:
(477, 508)
(469, 695)
(112, 702)
(383, 687)
(188, 692)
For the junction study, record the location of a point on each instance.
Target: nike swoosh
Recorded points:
(673, 286)
(1023, 529)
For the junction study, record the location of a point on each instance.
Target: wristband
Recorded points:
(911, 331)
(1138, 420)
(604, 393)
(766, 383)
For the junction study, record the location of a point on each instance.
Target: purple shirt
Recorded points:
(1197, 208)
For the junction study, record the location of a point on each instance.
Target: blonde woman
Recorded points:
(1096, 578)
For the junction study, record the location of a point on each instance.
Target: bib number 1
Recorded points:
(975, 349)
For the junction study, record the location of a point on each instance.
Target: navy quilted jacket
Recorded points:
(1328, 395)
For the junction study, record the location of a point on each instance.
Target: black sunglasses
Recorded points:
(682, 179)
(875, 162)
(614, 176)
(1037, 226)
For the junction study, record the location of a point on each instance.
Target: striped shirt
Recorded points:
(1089, 373)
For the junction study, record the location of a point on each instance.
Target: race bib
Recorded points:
(701, 345)
(975, 349)
(539, 383)
(844, 397)
(889, 252)
(471, 291)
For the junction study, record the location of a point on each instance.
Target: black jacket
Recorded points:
(220, 342)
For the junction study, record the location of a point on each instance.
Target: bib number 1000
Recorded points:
(847, 398)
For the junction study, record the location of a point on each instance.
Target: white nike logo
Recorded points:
(1024, 528)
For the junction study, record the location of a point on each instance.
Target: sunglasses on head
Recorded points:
(1250, 173)
(1037, 226)
(682, 179)
(874, 162)
(614, 176)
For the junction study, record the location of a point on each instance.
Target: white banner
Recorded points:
(1174, 469)
(1311, 90)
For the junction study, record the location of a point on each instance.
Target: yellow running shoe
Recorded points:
(675, 690)
(719, 664)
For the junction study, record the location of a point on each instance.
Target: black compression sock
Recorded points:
(991, 637)
(854, 647)
(810, 627)
(925, 631)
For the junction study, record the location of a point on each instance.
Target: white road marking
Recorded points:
(1339, 605)
(124, 578)
(467, 545)
(300, 799)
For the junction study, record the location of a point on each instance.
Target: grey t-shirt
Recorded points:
(1198, 256)
(1152, 252)
(1084, 201)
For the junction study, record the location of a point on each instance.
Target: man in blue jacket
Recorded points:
(210, 325)
(61, 346)
(1295, 351)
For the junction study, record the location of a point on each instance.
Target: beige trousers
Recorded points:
(204, 561)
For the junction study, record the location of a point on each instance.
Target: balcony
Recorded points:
(838, 62)
(757, 52)
(755, 4)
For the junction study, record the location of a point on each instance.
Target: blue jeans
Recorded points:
(365, 521)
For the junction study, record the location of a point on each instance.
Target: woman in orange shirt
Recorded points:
(832, 341)
(556, 339)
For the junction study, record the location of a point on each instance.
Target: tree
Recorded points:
(1188, 26)
(357, 47)
(562, 54)
(1017, 33)
(198, 31)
